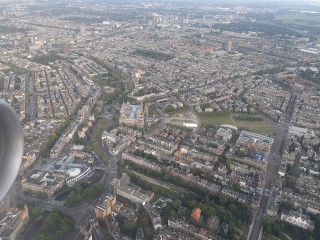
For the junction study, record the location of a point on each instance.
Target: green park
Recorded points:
(252, 123)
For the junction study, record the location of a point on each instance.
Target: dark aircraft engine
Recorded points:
(11, 147)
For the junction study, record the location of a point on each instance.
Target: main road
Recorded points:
(32, 107)
(271, 172)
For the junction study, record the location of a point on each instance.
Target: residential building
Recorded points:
(298, 218)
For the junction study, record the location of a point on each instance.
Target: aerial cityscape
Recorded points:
(163, 119)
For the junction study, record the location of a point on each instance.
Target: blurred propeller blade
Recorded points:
(11, 147)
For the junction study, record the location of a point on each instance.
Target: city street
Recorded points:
(271, 172)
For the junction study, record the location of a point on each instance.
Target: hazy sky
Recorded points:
(216, 1)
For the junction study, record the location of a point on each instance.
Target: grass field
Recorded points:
(260, 127)
(301, 19)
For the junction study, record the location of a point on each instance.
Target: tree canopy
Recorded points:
(56, 226)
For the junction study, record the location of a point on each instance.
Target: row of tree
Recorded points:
(46, 59)
(172, 110)
(5, 29)
(214, 114)
(310, 76)
(83, 193)
(129, 228)
(249, 118)
(111, 74)
(143, 154)
(228, 210)
(277, 228)
(86, 20)
(13, 68)
(111, 78)
(272, 70)
(154, 54)
(266, 28)
(45, 149)
(96, 142)
(34, 211)
(242, 214)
